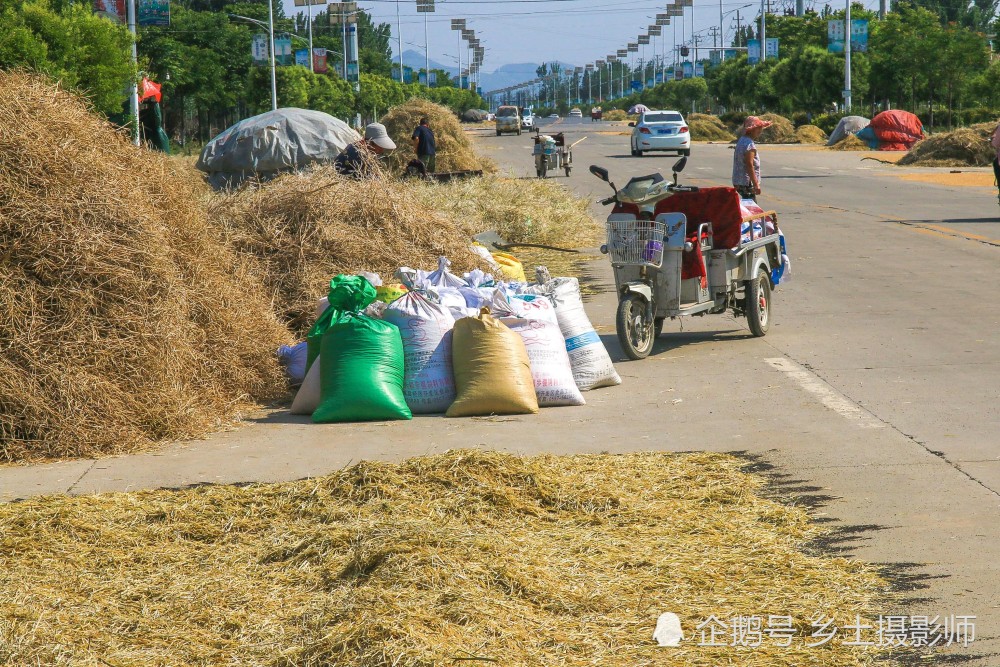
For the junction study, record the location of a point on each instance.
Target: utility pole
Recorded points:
(763, 31)
(399, 42)
(738, 26)
(134, 92)
(847, 60)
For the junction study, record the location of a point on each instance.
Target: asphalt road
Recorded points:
(874, 398)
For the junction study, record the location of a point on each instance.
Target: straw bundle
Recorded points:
(708, 128)
(781, 131)
(614, 114)
(302, 229)
(810, 134)
(964, 147)
(454, 150)
(850, 143)
(126, 319)
(469, 556)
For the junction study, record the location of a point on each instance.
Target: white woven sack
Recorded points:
(307, 397)
(551, 370)
(428, 379)
(592, 367)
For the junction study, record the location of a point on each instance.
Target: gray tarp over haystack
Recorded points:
(266, 145)
(847, 125)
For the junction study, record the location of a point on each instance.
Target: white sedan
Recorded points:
(660, 131)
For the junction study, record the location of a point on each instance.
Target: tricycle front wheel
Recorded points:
(757, 304)
(635, 327)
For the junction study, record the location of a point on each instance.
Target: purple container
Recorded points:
(653, 251)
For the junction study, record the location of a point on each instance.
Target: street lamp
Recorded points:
(270, 34)
(426, 7)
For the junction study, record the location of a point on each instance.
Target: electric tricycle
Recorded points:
(679, 250)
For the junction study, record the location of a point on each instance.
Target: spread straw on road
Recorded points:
(126, 319)
(465, 558)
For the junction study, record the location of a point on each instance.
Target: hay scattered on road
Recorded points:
(469, 556)
(614, 114)
(810, 134)
(126, 318)
(964, 147)
(705, 127)
(781, 131)
(850, 143)
(454, 149)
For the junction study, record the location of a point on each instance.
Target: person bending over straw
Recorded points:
(358, 160)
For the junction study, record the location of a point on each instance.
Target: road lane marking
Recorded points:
(826, 394)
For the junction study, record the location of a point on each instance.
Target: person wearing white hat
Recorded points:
(358, 159)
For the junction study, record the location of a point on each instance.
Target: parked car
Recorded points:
(660, 131)
(576, 113)
(508, 120)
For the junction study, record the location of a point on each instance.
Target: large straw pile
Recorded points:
(303, 229)
(125, 317)
(781, 131)
(708, 128)
(810, 134)
(850, 143)
(465, 558)
(964, 147)
(454, 150)
(614, 115)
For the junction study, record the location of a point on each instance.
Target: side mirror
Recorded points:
(600, 172)
(631, 124)
(680, 164)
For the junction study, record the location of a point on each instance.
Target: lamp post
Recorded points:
(426, 7)
(458, 25)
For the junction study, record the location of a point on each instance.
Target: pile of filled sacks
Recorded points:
(435, 342)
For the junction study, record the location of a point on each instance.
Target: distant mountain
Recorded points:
(503, 76)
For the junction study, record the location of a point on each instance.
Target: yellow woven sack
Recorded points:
(510, 266)
(389, 293)
(492, 372)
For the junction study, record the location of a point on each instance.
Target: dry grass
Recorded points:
(964, 147)
(614, 114)
(454, 150)
(705, 127)
(522, 210)
(469, 556)
(850, 143)
(125, 317)
(810, 134)
(303, 229)
(781, 130)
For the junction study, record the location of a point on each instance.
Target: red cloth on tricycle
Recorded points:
(718, 205)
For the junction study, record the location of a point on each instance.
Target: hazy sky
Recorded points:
(573, 31)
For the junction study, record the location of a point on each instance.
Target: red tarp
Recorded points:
(897, 130)
(149, 89)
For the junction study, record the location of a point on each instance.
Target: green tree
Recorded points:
(71, 44)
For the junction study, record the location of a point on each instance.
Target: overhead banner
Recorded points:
(319, 61)
(111, 9)
(835, 35)
(302, 57)
(688, 69)
(283, 50)
(154, 12)
(258, 49)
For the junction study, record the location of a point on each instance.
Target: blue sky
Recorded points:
(573, 31)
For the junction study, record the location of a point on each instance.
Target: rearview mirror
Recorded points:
(631, 124)
(680, 164)
(600, 172)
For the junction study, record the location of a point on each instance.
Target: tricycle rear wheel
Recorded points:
(635, 327)
(757, 304)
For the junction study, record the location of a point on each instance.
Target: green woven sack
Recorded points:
(348, 294)
(361, 372)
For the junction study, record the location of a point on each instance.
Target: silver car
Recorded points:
(660, 131)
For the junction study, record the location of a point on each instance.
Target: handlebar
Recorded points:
(609, 200)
